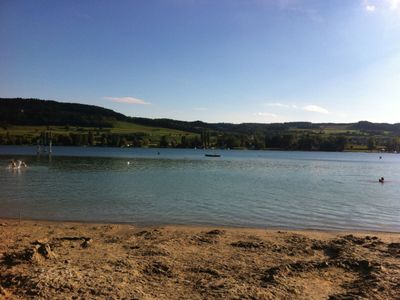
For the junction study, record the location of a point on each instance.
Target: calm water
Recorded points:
(242, 188)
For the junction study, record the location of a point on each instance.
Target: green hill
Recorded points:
(25, 121)
(41, 112)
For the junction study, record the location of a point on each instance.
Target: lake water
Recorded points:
(300, 190)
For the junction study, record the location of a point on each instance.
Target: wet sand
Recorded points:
(63, 260)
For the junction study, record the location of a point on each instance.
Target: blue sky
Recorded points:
(217, 61)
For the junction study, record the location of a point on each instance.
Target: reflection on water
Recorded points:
(242, 188)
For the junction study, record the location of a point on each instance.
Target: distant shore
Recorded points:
(156, 147)
(46, 122)
(92, 260)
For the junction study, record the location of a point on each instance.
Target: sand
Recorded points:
(61, 260)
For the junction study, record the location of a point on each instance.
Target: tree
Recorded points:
(259, 142)
(341, 143)
(163, 142)
(76, 139)
(393, 145)
(91, 139)
(10, 139)
(4, 125)
(184, 142)
(288, 141)
(84, 140)
(371, 144)
(205, 138)
(334, 143)
(64, 140)
(122, 142)
(232, 142)
(195, 142)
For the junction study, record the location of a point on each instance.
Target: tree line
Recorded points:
(210, 139)
(287, 136)
(19, 111)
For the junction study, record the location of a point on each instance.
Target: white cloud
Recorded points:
(129, 100)
(315, 109)
(370, 8)
(308, 108)
(381, 5)
(394, 4)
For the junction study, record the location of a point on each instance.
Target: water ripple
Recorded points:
(243, 188)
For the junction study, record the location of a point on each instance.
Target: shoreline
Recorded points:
(56, 259)
(201, 149)
(204, 226)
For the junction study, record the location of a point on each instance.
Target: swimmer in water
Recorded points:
(12, 164)
(16, 164)
(381, 180)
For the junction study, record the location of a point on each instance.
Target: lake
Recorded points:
(266, 189)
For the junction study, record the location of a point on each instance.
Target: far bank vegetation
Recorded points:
(32, 121)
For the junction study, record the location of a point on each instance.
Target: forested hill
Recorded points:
(18, 111)
(24, 121)
(263, 128)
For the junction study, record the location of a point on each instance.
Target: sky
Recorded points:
(236, 61)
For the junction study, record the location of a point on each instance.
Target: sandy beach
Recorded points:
(65, 260)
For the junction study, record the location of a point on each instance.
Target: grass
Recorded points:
(127, 128)
(122, 128)
(330, 131)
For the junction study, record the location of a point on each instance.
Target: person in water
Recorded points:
(16, 164)
(21, 163)
(381, 180)
(12, 164)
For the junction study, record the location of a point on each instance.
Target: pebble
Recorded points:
(42, 241)
(3, 291)
(86, 243)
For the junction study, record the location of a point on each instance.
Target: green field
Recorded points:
(127, 134)
(152, 134)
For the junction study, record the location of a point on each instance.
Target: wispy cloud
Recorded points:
(129, 100)
(370, 8)
(394, 4)
(308, 108)
(266, 114)
(282, 105)
(300, 8)
(315, 109)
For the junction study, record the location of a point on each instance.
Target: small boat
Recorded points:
(212, 155)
